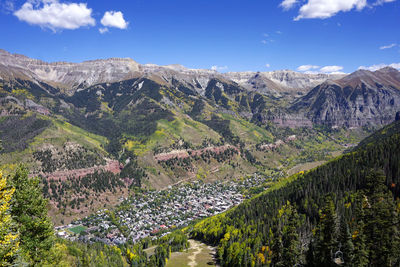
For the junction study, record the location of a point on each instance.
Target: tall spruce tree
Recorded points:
(325, 235)
(29, 211)
(360, 255)
(346, 242)
(380, 220)
(290, 222)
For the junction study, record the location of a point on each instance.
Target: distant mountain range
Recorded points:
(169, 124)
(72, 76)
(351, 100)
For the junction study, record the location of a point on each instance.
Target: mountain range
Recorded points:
(73, 76)
(119, 124)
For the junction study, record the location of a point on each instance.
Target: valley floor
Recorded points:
(156, 212)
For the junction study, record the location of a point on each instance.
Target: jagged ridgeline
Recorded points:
(344, 212)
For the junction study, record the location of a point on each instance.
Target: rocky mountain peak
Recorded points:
(361, 98)
(385, 77)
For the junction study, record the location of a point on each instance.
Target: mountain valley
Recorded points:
(163, 125)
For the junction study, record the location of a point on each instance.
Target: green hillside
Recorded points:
(306, 218)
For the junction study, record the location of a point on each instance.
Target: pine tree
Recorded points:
(381, 218)
(8, 237)
(360, 256)
(346, 242)
(325, 237)
(290, 237)
(29, 210)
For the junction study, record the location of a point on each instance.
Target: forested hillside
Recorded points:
(342, 213)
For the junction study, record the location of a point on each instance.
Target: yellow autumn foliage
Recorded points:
(9, 243)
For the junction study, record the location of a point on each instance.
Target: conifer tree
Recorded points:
(360, 256)
(380, 218)
(346, 242)
(325, 237)
(290, 238)
(29, 210)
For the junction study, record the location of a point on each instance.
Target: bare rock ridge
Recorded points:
(278, 82)
(72, 76)
(358, 99)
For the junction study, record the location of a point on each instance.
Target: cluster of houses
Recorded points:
(156, 212)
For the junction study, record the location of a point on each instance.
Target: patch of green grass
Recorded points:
(169, 131)
(77, 229)
(152, 170)
(247, 131)
(80, 134)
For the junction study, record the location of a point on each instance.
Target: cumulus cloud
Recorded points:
(307, 67)
(55, 15)
(381, 2)
(380, 66)
(267, 65)
(327, 8)
(331, 69)
(288, 4)
(114, 19)
(313, 69)
(387, 46)
(219, 68)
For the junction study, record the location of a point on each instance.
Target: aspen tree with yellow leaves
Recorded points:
(9, 243)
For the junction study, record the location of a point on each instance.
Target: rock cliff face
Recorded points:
(74, 76)
(67, 75)
(277, 83)
(359, 99)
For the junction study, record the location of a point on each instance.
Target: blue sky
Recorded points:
(235, 35)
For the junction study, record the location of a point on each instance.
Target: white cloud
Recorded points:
(288, 4)
(327, 8)
(387, 46)
(381, 2)
(103, 30)
(313, 69)
(307, 67)
(331, 69)
(267, 65)
(264, 41)
(265, 34)
(114, 19)
(219, 68)
(55, 15)
(380, 66)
